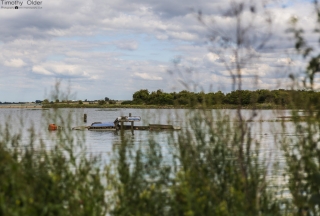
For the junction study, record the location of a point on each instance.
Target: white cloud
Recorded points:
(91, 43)
(62, 70)
(212, 57)
(146, 76)
(162, 37)
(284, 61)
(16, 62)
(40, 70)
(127, 45)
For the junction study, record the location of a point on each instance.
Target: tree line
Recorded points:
(279, 97)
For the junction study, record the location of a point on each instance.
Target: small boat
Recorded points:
(118, 124)
(102, 126)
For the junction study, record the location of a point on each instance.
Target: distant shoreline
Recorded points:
(131, 106)
(118, 106)
(21, 106)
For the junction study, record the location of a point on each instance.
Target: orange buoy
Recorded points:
(52, 127)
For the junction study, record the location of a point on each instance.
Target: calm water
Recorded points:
(264, 129)
(102, 142)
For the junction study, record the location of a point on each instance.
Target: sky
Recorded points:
(116, 47)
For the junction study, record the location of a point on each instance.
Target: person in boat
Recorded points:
(116, 123)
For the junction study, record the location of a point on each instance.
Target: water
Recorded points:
(264, 129)
(97, 142)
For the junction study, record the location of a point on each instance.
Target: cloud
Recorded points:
(146, 76)
(183, 36)
(92, 43)
(127, 45)
(15, 63)
(63, 70)
(212, 57)
(41, 70)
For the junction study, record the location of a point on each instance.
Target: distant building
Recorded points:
(38, 101)
(106, 99)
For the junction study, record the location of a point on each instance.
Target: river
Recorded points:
(264, 126)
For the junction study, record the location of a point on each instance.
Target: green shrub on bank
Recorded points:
(276, 98)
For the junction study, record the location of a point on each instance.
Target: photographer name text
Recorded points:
(20, 3)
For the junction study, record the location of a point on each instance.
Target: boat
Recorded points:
(102, 126)
(118, 124)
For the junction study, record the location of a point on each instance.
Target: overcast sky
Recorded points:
(116, 47)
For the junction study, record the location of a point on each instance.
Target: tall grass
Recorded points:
(48, 177)
(215, 168)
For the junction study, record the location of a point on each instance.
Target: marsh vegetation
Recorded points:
(216, 165)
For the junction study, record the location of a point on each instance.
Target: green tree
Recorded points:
(101, 102)
(141, 96)
(45, 101)
(160, 98)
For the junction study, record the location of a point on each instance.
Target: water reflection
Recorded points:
(264, 126)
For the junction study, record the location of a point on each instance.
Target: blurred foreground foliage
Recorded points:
(49, 173)
(215, 166)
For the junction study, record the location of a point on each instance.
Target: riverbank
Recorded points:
(141, 106)
(22, 106)
(131, 106)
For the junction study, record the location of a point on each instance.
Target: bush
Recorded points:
(126, 102)
(101, 102)
(49, 177)
(45, 101)
(212, 172)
